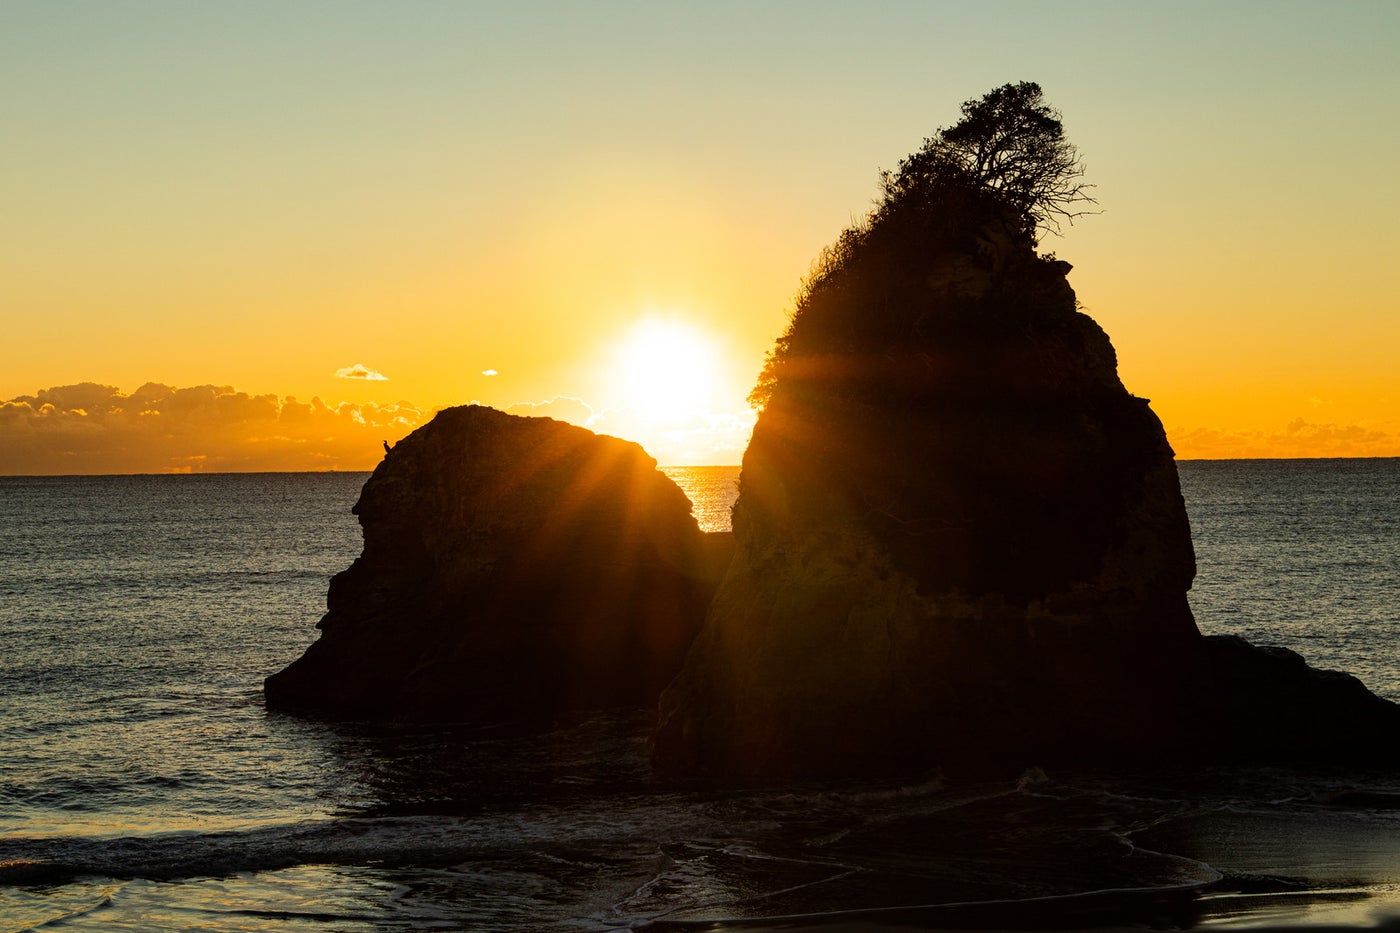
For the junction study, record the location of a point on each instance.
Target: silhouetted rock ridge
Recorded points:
(513, 568)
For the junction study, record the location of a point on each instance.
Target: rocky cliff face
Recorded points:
(962, 543)
(512, 568)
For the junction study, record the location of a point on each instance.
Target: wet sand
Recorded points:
(1226, 908)
(1330, 868)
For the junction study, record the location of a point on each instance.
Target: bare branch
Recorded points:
(1012, 143)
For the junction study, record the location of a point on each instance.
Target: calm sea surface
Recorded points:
(143, 786)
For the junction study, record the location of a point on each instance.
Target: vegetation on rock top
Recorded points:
(981, 189)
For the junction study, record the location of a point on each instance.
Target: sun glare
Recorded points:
(666, 367)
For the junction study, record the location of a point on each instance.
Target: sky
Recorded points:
(274, 235)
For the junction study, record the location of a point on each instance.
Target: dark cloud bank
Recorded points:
(92, 428)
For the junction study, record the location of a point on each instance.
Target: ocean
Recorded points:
(143, 786)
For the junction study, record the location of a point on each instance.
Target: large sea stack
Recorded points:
(513, 568)
(961, 542)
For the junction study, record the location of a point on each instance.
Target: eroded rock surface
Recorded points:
(513, 568)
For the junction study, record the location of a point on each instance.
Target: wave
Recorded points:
(681, 857)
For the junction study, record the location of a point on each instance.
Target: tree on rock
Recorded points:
(1011, 142)
(979, 189)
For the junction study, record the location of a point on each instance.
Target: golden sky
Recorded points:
(222, 224)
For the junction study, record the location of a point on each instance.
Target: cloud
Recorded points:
(489, 372)
(92, 428)
(360, 371)
(1298, 438)
(560, 408)
(690, 438)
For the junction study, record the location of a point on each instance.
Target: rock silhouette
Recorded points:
(962, 543)
(513, 568)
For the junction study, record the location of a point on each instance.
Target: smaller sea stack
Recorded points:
(513, 569)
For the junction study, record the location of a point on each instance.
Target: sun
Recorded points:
(666, 367)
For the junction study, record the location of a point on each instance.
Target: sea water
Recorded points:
(143, 785)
